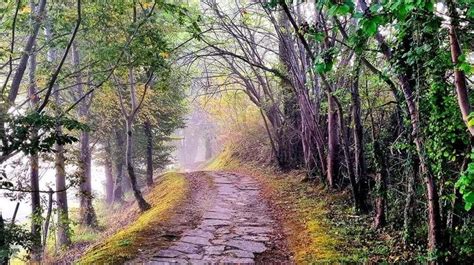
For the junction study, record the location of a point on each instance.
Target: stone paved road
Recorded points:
(235, 228)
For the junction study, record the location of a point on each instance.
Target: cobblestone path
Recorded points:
(235, 228)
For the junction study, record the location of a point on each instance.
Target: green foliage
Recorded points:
(35, 132)
(464, 65)
(370, 25)
(13, 235)
(341, 8)
(465, 184)
(324, 61)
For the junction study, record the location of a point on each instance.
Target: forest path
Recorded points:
(236, 227)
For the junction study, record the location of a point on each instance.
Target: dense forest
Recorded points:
(367, 101)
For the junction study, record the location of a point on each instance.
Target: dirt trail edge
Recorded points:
(236, 227)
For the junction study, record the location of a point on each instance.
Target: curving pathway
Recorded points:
(236, 227)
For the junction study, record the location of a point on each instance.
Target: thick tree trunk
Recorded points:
(149, 153)
(131, 172)
(380, 219)
(333, 144)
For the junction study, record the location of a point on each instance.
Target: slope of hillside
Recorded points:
(169, 193)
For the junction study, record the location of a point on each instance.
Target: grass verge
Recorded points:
(126, 244)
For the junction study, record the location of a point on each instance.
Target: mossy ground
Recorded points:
(124, 245)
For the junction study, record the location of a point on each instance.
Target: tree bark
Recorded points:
(87, 213)
(129, 118)
(27, 51)
(459, 75)
(61, 198)
(36, 210)
(149, 153)
(208, 146)
(380, 219)
(347, 156)
(119, 163)
(333, 144)
(4, 245)
(61, 194)
(131, 172)
(358, 134)
(48, 218)
(109, 179)
(410, 201)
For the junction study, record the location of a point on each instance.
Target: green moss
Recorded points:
(312, 239)
(125, 244)
(223, 160)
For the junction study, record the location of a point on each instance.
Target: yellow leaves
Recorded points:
(25, 10)
(165, 55)
(147, 5)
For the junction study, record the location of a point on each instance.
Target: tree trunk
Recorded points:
(27, 51)
(131, 172)
(149, 153)
(48, 218)
(87, 213)
(434, 220)
(59, 164)
(380, 219)
(459, 76)
(35, 210)
(410, 201)
(332, 142)
(208, 146)
(109, 179)
(61, 198)
(119, 163)
(4, 245)
(359, 161)
(347, 156)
